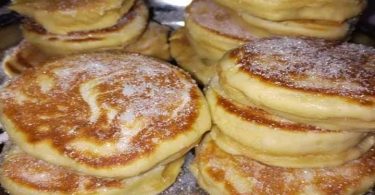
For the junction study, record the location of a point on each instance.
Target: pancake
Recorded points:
(310, 28)
(153, 42)
(276, 141)
(25, 55)
(232, 146)
(63, 17)
(126, 31)
(23, 174)
(187, 58)
(280, 10)
(221, 173)
(105, 114)
(313, 81)
(213, 30)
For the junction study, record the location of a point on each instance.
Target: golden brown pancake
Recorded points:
(312, 81)
(251, 131)
(127, 30)
(105, 114)
(22, 174)
(221, 173)
(187, 58)
(281, 10)
(24, 55)
(213, 29)
(63, 17)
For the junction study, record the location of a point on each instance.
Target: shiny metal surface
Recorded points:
(169, 12)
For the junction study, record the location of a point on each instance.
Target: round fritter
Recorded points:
(327, 84)
(279, 10)
(187, 58)
(125, 31)
(213, 29)
(63, 17)
(251, 131)
(309, 28)
(22, 174)
(105, 114)
(220, 173)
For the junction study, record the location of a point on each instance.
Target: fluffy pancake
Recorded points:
(213, 30)
(23, 174)
(62, 17)
(105, 114)
(221, 173)
(251, 131)
(126, 31)
(323, 83)
(279, 10)
(313, 160)
(24, 55)
(188, 59)
(153, 42)
(310, 28)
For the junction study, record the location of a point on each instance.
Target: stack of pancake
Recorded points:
(216, 26)
(58, 28)
(99, 123)
(291, 116)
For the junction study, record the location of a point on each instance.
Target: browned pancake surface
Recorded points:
(276, 180)
(314, 65)
(218, 19)
(162, 100)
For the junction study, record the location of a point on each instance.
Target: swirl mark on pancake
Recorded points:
(103, 111)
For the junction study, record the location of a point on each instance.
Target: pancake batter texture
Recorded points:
(291, 116)
(106, 114)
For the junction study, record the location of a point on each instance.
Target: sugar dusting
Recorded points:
(145, 98)
(220, 20)
(264, 179)
(127, 102)
(314, 64)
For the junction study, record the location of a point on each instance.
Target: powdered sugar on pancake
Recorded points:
(215, 17)
(116, 104)
(311, 64)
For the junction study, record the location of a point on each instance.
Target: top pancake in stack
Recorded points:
(124, 31)
(317, 82)
(105, 114)
(62, 17)
(328, 19)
